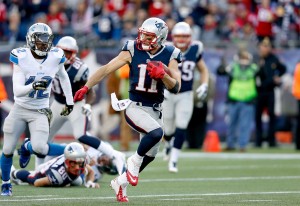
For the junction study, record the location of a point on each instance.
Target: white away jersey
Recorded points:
(34, 71)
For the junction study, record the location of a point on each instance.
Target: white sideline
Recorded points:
(152, 196)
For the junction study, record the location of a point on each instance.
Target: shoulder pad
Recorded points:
(177, 55)
(17, 54)
(59, 54)
(200, 46)
(129, 46)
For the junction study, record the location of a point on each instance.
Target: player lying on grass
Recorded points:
(64, 170)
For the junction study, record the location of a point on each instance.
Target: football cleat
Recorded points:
(24, 154)
(13, 177)
(132, 173)
(120, 190)
(173, 167)
(119, 161)
(6, 189)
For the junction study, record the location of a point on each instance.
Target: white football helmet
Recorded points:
(75, 154)
(69, 44)
(182, 35)
(39, 38)
(152, 34)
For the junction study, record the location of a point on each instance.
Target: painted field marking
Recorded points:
(152, 196)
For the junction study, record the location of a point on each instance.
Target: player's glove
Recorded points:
(79, 95)
(156, 69)
(202, 91)
(87, 110)
(91, 184)
(67, 110)
(40, 85)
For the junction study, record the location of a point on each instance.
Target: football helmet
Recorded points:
(152, 34)
(39, 38)
(75, 158)
(182, 35)
(68, 44)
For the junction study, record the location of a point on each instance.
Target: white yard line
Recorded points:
(220, 179)
(152, 196)
(223, 155)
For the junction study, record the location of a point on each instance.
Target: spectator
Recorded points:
(241, 96)
(265, 19)
(57, 20)
(269, 77)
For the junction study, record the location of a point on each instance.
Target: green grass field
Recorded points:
(258, 177)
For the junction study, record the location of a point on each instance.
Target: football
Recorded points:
(157, 64)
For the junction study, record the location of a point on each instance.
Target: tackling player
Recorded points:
(178, 108)
(61, 171)
(34, 68)
(148, 79)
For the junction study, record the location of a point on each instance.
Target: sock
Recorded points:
(106, 149)
(174, 155)
(90, 140)
(168, 137)
(28, 146)
(179, 138)
(22, 175)
(122, 179)
(149, 140)
(146, 161)
(55, 149)
(138, 158)
(6, 163)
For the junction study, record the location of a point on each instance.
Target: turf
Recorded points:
(259, 177)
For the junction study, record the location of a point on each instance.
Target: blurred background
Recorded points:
(102, 26)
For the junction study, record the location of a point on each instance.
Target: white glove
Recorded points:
(87, 111)
(91, 184)
(202, 91)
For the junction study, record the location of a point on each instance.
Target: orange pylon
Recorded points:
(211, 142)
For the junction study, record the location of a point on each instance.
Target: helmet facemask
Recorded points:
(146, 41)
(182, 42)
(75, 167)
(40, 43)
(152, 34)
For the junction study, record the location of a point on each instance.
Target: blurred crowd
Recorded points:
(213, 21)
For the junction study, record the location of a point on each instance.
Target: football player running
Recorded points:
(34, 68)
(61, 171)
(178, 108)
(146, 57)
(78, 73)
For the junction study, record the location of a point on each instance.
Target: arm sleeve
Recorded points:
(19, 87)
(65, 84)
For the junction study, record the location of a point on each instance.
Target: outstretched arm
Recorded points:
(123, 58)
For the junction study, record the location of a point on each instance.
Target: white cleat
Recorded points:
(119, 161)
(173, 167)
(120, 190)
(133, 169)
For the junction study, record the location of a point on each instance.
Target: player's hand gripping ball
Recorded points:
(157, 70)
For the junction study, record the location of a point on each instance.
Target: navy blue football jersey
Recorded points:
(56, 172)
(78, 73)
(142, 87)
(189, 61)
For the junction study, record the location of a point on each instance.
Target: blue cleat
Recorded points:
(6, 189)
(24, 154)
